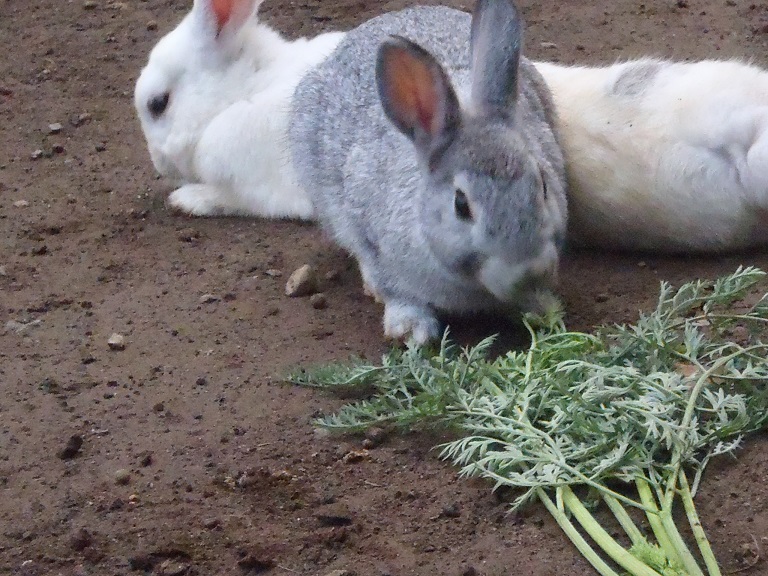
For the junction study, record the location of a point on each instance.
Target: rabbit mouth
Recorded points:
(507, 281)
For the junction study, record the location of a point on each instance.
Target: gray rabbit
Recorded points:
(451, 199)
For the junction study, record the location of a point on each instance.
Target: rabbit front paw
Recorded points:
(404, 321)
(201, 200)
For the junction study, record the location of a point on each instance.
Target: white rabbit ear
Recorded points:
(224, 17)
(417, 96)
(496, 42)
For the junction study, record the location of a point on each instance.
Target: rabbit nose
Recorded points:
(158, 104)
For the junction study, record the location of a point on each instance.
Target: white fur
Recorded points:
(223, 135)
(680, 165)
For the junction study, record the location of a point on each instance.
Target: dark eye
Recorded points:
(158, 104)
(461, 205)
(544, 184)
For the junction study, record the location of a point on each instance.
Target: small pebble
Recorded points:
(122, 477)
(72, 447)
(548, 45)
(318, 301)
(116, 342)
(81, 539)
(152, 25)
(80, 119)
(303, 282)
(274, 273)
(21, 203)
(89, 4)
(55, 128)
(209, 298)
(37, 154)
(211, 523)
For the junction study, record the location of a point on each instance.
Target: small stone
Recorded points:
(145, 459)
(21, 203)
(3, 271)
(101, 147)
(450, 511)
(89, 4)
(318, 301)
(159, 407)
(603, 297)
(354, 456)
(188, 235)
(122, 477)
(116, 342)
(273, 273)
(80, 119)
(80, 540)
(339, 573)
(37, 154)
(211, 523)
(58, 149)
(548, 45)
(202, 381)
(303, 282)
(209, 298)
(172, 568)
(72, 447)
(152, 25)
(55, 128)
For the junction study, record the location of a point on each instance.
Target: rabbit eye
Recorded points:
(158, 104)
(461, 205)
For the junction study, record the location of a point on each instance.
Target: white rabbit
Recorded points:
(663, 156)
(446, 182)
(214, 101)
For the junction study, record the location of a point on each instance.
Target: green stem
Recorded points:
(573, 534)
(689, 562)
(609, 545)
(666, 532)
(626, 522)
(654, 519)
(698, 530)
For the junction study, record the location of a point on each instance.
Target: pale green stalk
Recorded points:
(654, 519)
(574, 536)
(617, 553)
(698, 531)
(626, 522)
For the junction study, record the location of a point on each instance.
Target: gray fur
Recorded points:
(382, 203)
(636, 78)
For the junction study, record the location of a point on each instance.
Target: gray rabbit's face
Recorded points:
(486, 213)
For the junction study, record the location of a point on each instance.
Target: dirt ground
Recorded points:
(196, 457)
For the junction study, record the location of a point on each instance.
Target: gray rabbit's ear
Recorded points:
(221, 19)
(496, 43)
(417, 96)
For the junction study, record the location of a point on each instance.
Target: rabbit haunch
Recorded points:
(664, 156)
(214, 100)
(442, 177)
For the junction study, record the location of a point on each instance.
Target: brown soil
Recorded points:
(196, 458)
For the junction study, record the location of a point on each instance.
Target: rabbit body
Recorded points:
(663, 156)
(214, 101)
(393, 208)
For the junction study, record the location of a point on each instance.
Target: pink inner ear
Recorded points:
(222, 9)
(413, 92)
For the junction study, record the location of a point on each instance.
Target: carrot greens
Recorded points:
(647, 405)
